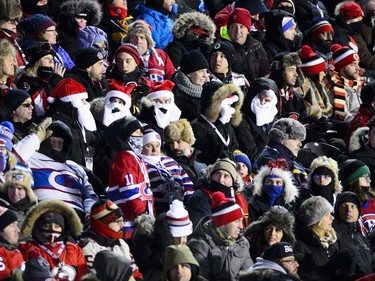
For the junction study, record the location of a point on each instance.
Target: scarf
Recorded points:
(184, 84)
(228, 240)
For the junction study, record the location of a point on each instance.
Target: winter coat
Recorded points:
(20, 56)
(161, 24)
(366, 154)
(250, 59)
(365, 41)
(360, 120)
(199, 203)
(343, 33)
(218, 260)
(11, 260)
(307, 10)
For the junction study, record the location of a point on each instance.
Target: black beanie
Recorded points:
(86, 57)
(225, 47)
(51, 217)
(6, 217)
(193, 61)
(368, 94)
(346, 196)
(14, 98)
(38, 50)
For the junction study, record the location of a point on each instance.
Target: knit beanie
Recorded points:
(344, 197)
(351, 170)
(286, 23)
(161, 89)
(226, 48)
(287, 128)
(241, 16)
(36, 24)
(110, 266)
(193, 61)
(224, 210)
(242, 157)
(87, 57)
(313, 210)
(317, 26)
(350, 10)
(178, 220)
(368, 94)
(129, 49)
(343, 56)
(278, 251)
(38, 50)
(179, 130)
(7, 216)
(6, 135)
(150, 135)
(142, 27)
(105, 211)
(312, 63)
(36, 267)
(225, 164)
(14, 98)
(51, 217)
(255, 7)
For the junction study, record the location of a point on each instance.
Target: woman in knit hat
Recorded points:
(355, 177)
(189, 80)
(274, 226)
(316, 238)
(39, 29)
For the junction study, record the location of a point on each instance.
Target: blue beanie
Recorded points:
(241, 157)
(36, 24)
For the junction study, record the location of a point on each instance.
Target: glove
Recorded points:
(41, 130)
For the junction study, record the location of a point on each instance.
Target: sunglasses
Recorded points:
(13, 21)
(27, 105)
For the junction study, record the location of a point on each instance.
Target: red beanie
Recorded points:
(343, 56)
(224, 210)
(131, 50)
(350, 11)
(240, 15)
(312, 63)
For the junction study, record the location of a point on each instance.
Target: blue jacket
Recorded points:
(161, 25)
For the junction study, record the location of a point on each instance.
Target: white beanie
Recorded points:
(178, 220)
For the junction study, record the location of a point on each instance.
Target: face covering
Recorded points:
(356, 26)
(273, 192)
(166, 113)
(45, 73)
(226, 109)
(151, 159)
(216, 186)
(136, 144)
(287, 9)
(264, 113)
(324, 191)
(3, 160)
(114, 111)
(51, 236)
(85, 117)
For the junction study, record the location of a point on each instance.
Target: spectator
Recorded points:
(307, 10)
(221, 233)
(49, 225)
(244, 169)
(274, 226)
(192, 31)
(12, 259)
(48, 8)
(110, 266)
(158, 15)
(158, 66)
(9, 67)
(179, 140)
(273, 185)
(189, 80)
(36, 267)
(94, 37)
(213, 128)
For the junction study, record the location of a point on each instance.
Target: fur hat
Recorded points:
(129, 49)
(36, 24)
(7, 216)
(194, 19)
(280, 62)
(224, 210)
(313, 210)
(22, 178)
(225, 164)
(179, 130)
(70, 8)
(351, 170)
(324, 161)
(193, 61)
(226, 48)
(287, 128)
(6, 135)
(241, 16)
(277, 216)
(213, 94)
(178, 220)
(10, 10)
(312, 63)
(343, 56)
(87, 57)
(140, 26)
(277, 167)
(317, 26)
(70, 216)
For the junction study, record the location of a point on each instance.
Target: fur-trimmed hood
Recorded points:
(358, 139)
(324, 161)
(97, 109)
(72, 7)
(10, 9)
(290, 190)
(70, 216)
(212, 96)
(20, 177)
(277, 216)
(187, 20)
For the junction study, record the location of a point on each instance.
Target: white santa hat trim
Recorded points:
(70, 97)
(118, 94)
(161, 94)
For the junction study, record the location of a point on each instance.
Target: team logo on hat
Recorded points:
(288, 249)
(235, 17)
(356, 56)
(100, 55)
(217, 46)
(18, 177)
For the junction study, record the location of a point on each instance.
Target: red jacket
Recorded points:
(20, 56)
(158, 66)
(9, 261)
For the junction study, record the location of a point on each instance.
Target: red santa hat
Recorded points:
(68, 93)
(224, 210)
(161, 90)
(312, 63)
(343, 56)
(123, 92)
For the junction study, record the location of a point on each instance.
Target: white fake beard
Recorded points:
(172, 113)
(264, 113)
(151, 159)
(109, 116)
(226, 110)
(85, 117)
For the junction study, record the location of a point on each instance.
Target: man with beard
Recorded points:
(320, 35)
(278, 263)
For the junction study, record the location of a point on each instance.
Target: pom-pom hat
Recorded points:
(312, 63)
(313, 210)
(37, 51)
(161, 90)
(343, 56)
(242, 157)
(72, 94)
(224, 210)
(241, 16)
(317, 26)
(178, 220)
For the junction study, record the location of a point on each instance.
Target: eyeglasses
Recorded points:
(365, 177)
(27, 105)
(13, 21)
(50, 30)
(323, 177)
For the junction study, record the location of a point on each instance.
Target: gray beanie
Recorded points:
(287, 128)
(314, 209)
